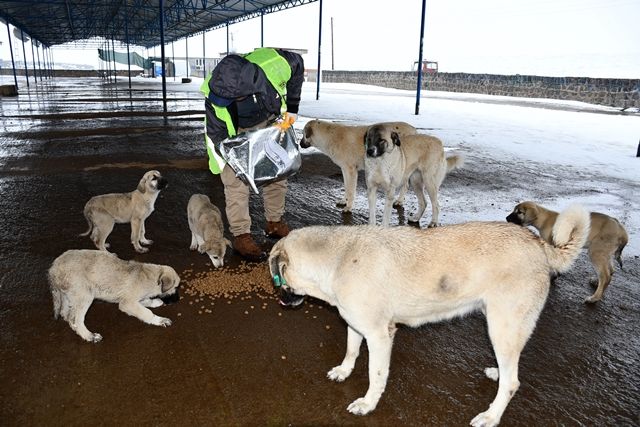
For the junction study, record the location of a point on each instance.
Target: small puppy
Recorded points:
(102, 212)
(79, 276)
(207, 230)
(607, 239)
(390, 164)
(343, 145)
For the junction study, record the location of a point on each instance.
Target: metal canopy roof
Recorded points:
(54, 22)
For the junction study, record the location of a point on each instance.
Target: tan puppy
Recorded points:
(607, 239)
(102, 212)
(77, 277)
(207, 229)
(345, 147)
(392, 160)
(378, 277)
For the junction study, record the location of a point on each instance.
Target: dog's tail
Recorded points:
(87, 217)
(569, 233)
(454, 162)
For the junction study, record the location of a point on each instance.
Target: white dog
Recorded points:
(207, 230)
(345, 147)
(77, 277)
(378, 277)
(393, 160)
(103, 211)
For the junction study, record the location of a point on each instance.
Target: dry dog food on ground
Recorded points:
(231, 282)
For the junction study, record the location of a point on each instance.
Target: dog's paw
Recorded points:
(592, 299)
(492, 373)
(141, 250)
(433, 225)
(161, 321)
(193, 247)
(360, 407)
(146, 242)
(94, 338)
(342, 202)
(338, 374)
(484, 419)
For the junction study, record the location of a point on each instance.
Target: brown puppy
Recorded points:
(345, 147)
(607, 238)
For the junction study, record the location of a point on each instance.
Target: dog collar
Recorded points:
(278, 281)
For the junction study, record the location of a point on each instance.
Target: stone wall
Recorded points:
(621, 93)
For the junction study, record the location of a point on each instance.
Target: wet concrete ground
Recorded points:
(240, 365)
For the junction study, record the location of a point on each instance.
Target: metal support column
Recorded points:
(24, 55)
(173, 58)
(164, 74)
(186, 44)
(262, 29)
(33, 61)
(424, 6)
(126, 32)
(227, 38)
(319, 53)
(13, 63)
(115, 68)
(39, 66)
(204, 51)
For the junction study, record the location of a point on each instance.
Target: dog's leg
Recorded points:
(152, 302)
(350, 177)
(379, 344)
(135, 309)
(418, 188)
(509, 331)
(143, 232)
(102, 227)
(194, 241)
(76, 318)
(388, 204)
(372, 194)
(602, 263)
(342, 372)
(432, 191)
(136, 229)
(400, 199)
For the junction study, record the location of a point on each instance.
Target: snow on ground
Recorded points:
(575, 152)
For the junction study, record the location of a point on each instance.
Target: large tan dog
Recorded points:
(207, 229)
(345, 147)
(393, 160)
(103, 211)
(79, 276)
(378, 277)
(607, 239)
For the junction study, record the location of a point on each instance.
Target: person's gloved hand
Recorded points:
(287, 121)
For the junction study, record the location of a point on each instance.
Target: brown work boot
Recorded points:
(247, 247)
(277, 229)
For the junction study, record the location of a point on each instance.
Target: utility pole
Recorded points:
(332, 68)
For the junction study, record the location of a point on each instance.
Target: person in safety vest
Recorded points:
(245, 93)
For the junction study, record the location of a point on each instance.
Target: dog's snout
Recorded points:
(304, 143)
(512, 217)
(372, 151)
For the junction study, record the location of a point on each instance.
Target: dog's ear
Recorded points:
(278, 260)
(168, 279)
(141, 185)
(308, 131)
(201, 248)
(395, 138)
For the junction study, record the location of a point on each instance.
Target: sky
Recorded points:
(593, 38)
